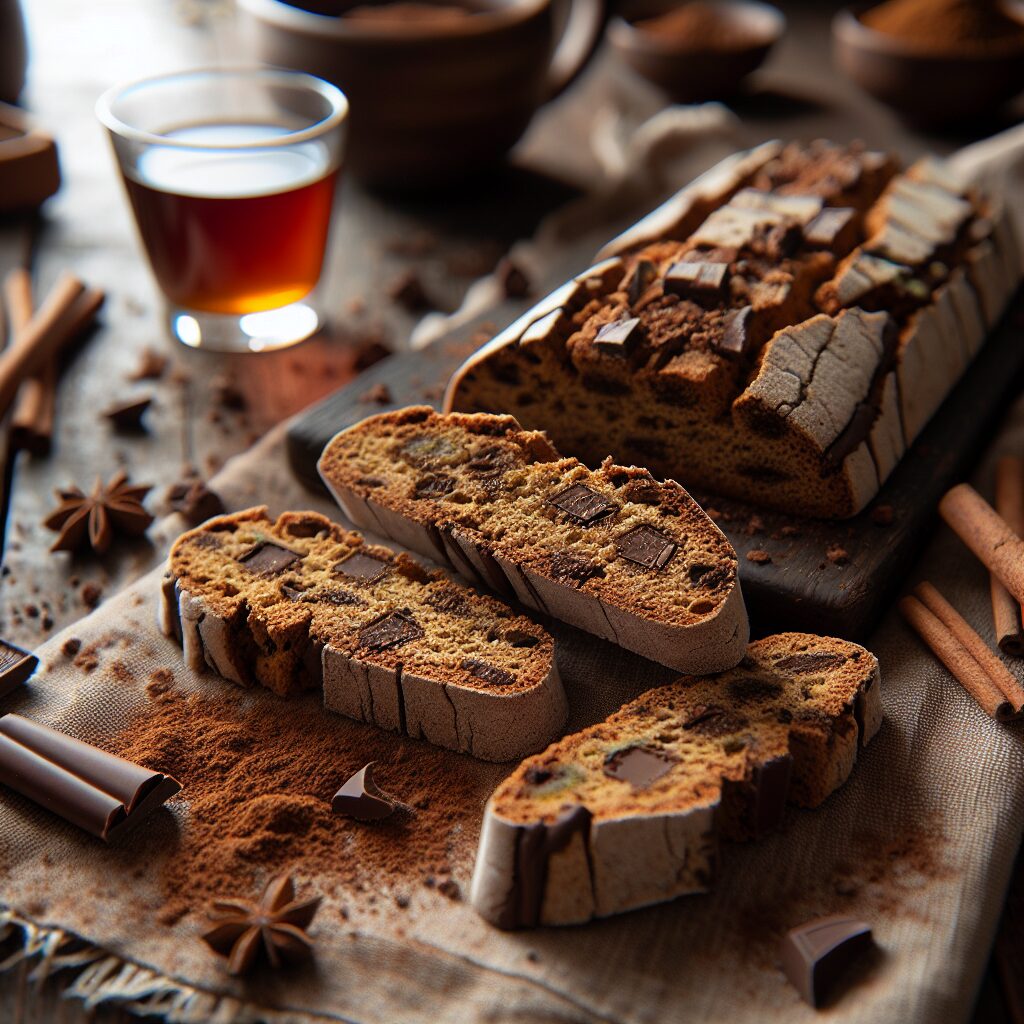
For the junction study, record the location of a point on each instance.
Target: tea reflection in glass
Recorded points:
(233, 211)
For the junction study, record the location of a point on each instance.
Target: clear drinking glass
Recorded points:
(231, 174)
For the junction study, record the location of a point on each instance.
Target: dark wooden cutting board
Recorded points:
(834, 578)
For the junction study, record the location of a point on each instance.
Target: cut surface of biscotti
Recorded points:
(612, 551)
(657, 356)
(629, 812)
(299, 603)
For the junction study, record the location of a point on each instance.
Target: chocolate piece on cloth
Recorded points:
(275, 927)
(101, 793)
(360, 798)
(16, 665)
(815, 954)
(194, 500)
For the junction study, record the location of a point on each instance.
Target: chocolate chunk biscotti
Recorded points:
(299, 603)
(784, 346)
(629, 811)
(614, 551)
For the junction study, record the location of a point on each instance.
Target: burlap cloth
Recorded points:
(919, 843)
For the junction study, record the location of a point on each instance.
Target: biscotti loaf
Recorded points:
(786, 350)
(612, 551)
(629, 812)
(299, 603)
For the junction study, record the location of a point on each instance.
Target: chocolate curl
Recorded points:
(96, 791)
(987, 534)
(1006, 618)
(957, 658)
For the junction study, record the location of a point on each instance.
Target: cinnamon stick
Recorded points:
(987, 534)
(1004, 680)
(32, 421)
(1006, 618)
(63, 313)
(956, 658)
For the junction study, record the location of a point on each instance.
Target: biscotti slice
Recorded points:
(613, 552)
(299, 603)
(629, 812)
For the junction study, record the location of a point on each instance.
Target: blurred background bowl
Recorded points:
(924, 85)
(729, 39)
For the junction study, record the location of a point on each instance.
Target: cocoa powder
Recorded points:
(700, 26)
(258, 775)
(947, 25)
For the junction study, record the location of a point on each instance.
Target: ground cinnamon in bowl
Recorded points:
(948, 26)
(699, 26)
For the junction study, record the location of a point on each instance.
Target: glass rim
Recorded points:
(334, 96)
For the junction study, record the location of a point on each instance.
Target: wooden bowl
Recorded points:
(687, 70)
(925, 86)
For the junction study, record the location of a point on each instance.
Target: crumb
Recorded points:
(512, 278)
(533, 956)
(758, 557)
(227, 395)
(370, 348)
(408, 292)
(402, 900)
(71, 647)
(713, 514)
(882, 515)
(126, 417)
(379, 393)
(92, 594)
(789, 531)
(450, 888)
(755, 525)
(47, 621)
(151, 366)
(837, 554)
(31, 610)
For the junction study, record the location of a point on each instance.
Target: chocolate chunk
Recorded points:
(360, 798)
(583, 504)
(647, 547)
(636, 765)
(488, 673)
(783, 240)
(194, 500)
(751, 688)
(714, 721)
(619, 337)
(362, 567)
(809, 661)
(538, 776)
(569, 569)
(388, 631)
(98, 792)
(433, 485)
(735, 339)
(702, 282)
(16, 665)
(815, 954)
(520, 638)
(643, 276)
(833, 229)
(266, 559)
(771, 782)
(126, 417)
(335, 596)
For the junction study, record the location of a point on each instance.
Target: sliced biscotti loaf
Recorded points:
(629, 812)
(673, 354)
(299, 603)
(611, 551)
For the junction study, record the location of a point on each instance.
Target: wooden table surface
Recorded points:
(80, 49)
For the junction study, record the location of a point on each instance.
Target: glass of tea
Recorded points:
(231, 176)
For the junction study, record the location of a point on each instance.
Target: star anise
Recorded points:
(95, 518)
(276, 926)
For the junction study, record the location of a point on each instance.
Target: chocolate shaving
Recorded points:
(647, 547)
(619, 337)
(98, 792)
(735, 337)
(360, 798)
(638, 766)
(390, 630)
(702, 282)
(126, 417)
(488, 673)
(267, 559)
(16, 665)
(583, 504)
(815, 954)
(643, 276)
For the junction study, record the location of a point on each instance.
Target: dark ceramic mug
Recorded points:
(435, 99)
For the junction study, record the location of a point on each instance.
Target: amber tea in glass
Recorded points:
(233, 208)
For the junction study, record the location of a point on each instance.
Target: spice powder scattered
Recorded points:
(258, 774)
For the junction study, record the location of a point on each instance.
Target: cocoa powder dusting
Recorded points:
(258, 777)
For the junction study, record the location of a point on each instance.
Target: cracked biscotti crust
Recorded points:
(299, 603)
(630, 811)
(784, 343)
(612, 551)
